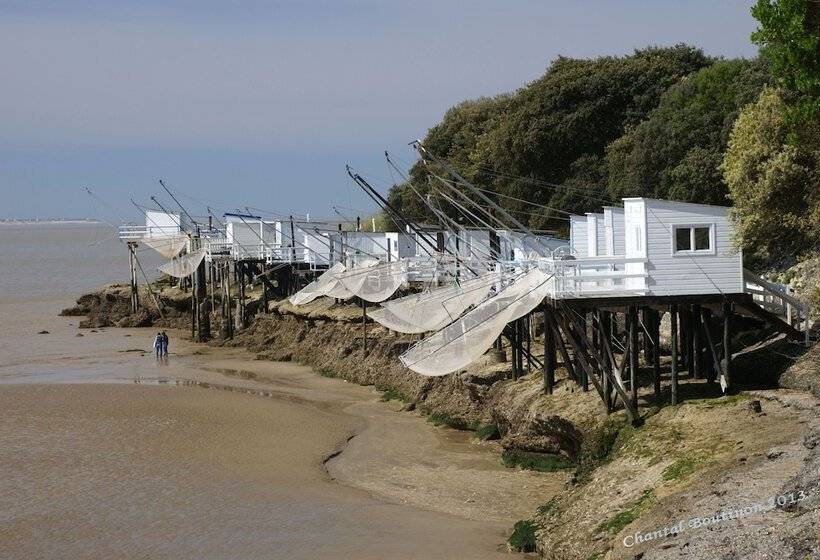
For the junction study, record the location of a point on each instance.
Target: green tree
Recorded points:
(453, 139)
(789, 36)
(675, 153)
(553, 130)
(773, 185)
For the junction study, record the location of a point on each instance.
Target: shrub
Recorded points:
(444, 419)
(541, 462)
(523, 537)
(490, 431)
(393, 395)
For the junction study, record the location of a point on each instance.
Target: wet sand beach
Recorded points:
(117, 471)
(133, 463)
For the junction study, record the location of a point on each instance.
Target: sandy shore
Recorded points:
(111, 457)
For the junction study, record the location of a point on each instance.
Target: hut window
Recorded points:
(691, 239)
(702, 239)
(683, 240)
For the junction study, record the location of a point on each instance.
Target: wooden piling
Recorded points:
(697, 343)
(714, 362)
(656, 351)
(727, 345)
(632, 321)
(132, 258)
(582, 328)
(364, 327)
(549, 353)
(673, 314)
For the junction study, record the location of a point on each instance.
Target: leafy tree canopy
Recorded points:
(773, 184)
(676, 152)
(789, 36)
(555, 129)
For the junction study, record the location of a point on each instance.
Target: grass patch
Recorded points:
(523, 537)
(327, 372)
(681, 468)
(600, 446)
(727, 400)
(394, 395)
(550, 508)
(624, 518)
(455, 422)
(540, 462)
(487, 432)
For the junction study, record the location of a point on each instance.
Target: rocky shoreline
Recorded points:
(624, 478)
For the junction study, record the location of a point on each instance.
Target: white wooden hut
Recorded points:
(249, 236)
(653, 247)
(159, 223)
(687, 247)
(353, 247)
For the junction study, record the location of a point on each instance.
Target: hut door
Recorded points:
(635, 243)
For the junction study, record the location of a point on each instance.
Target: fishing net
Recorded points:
(168, 246)
(375, 283)
(338, 291)
(433, 309)
(183, 266)
(319, 287)
(465, 340)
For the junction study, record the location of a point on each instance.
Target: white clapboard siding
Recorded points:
(614, 230)
(718, 271)
(596, 235)
(399, 245)
(312, 245)
(159, 223)
(246, 235)
(578, 235)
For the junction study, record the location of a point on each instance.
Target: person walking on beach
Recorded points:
(158, 344)
(164, 344)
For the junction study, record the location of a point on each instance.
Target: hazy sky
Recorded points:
(263, 103)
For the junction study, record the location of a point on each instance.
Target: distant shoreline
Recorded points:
(37, 222)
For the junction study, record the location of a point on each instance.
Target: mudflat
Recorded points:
(110, 452)
(116, 471)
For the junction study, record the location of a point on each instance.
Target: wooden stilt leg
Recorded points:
(656, 352)
(629, 405)
(673, 313)
(583, 348)
(632, 319)
(713, 364)
(549, 353)
(528, 322)
(599, 330)
(697, 344)
(562, 349)
(364, 328)
(727, 346)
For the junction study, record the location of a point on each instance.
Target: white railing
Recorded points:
(131, 233)
(776, 298)
(216, 246)
(135, 232)
(587, 277)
